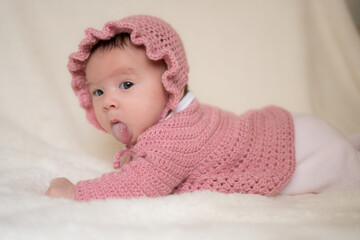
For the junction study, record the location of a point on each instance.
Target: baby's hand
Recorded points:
(61, 188)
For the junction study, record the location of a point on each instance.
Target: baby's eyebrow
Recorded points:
(122, 71)
(116, 72)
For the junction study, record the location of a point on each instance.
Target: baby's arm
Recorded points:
(141, 177)
(62, 188)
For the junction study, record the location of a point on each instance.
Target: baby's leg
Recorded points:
(325, 159)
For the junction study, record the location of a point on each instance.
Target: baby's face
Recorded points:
(127, 92)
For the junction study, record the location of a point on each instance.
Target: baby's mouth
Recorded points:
(121, 132)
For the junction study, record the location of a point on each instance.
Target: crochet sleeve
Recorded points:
(141, 177)
(164, 156)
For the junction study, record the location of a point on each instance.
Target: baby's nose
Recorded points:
(110, 103)
(107, 107)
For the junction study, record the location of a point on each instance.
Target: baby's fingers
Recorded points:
(61, 188)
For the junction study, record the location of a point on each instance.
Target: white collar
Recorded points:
(183, 104)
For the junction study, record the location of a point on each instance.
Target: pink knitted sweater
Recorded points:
(204, 148)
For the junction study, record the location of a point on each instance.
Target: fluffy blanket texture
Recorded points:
(25, 213)
(302, 55)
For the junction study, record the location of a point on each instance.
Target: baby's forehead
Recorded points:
(119, 62)
(120, 47)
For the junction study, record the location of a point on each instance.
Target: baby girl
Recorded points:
(131, 79)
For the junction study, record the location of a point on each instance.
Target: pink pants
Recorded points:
(325, 159)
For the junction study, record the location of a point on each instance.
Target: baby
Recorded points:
(131, 79)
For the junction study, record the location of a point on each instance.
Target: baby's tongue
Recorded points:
(121, 132)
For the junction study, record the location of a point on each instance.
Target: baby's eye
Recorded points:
(126, 85)
(98, 92)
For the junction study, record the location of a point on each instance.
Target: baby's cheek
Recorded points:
(104, 123)
(99, 116)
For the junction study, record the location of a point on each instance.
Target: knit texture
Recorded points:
(160, 41)
(204, 148)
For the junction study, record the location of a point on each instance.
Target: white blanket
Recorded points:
(25, 213)
(298, 54)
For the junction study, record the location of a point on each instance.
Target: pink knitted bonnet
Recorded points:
(160, 41)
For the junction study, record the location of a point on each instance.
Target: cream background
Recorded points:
(303, 55)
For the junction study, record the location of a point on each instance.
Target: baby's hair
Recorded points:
(118, 41)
